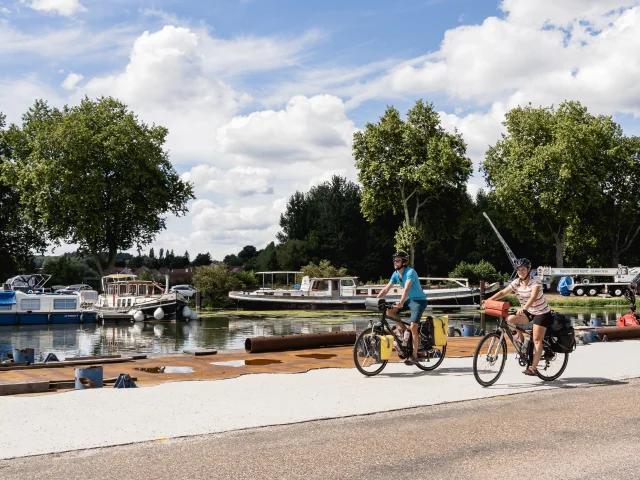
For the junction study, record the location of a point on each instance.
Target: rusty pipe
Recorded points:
(298, 342)
(618, 333)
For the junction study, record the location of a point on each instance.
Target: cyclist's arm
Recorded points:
(505, 291)
(384, 291)
(405, 293)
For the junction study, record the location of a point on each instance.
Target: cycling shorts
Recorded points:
(416, 307)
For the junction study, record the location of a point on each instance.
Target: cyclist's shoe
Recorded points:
(531, 372)
(411, 360)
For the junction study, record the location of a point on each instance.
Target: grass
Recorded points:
(589, 302)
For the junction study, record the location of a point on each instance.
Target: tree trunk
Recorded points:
(412, 256)
(96, 261)
(615, 256)
(561, 240)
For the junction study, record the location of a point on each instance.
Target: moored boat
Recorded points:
(124, 296)
(345, 293)
(24, 300)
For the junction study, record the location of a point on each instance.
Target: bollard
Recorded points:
(24, 355)
(90, 377)
(467, 330)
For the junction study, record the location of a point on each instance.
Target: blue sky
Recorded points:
(262, 98)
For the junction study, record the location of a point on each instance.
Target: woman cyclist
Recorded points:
(533, 306)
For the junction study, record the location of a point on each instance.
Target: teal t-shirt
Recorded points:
(415, 290)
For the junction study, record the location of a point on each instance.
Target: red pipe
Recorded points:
(297, 342)
(618, 333)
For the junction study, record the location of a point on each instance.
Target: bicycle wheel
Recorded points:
(432, 359)
(363, 355)
(489, 359)
(552, 364)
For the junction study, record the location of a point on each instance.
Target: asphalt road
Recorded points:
(566, 433)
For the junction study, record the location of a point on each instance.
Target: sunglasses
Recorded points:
(397, 261)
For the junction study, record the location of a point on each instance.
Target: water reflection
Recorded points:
(216, 333)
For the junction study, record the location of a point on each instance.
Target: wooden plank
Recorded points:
(90, 357)
(68, 364)
(55, 384)
(23, 387)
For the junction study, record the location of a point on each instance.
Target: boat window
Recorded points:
(321, 285)
(141, 289)
(110, 289)
(133, 288)
(346, 283)
(129, 302)
(123, 289)
(65, 304)
(30, 304)
(5, 307)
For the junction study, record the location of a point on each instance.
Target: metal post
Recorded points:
(198, 301)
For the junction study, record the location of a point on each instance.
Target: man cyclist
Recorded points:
(533, 306)
(413, 298)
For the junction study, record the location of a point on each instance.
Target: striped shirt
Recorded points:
(540, 305)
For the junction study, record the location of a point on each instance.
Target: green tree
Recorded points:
(475, 272)
(546, 171)
(19, 235)
(267, 260)
(293, 254)
(215, 283)
(247, 253)
(65, 270)
(95, 176)
(404, 166)
(248, 278)
(323, 269)
(202, 259)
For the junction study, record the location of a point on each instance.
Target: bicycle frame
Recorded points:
(384, 325)
(526, 356)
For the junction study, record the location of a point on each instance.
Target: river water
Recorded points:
(221, 333)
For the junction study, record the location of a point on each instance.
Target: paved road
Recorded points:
(587, 432)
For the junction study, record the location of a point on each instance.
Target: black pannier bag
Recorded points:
(562, 335)
(374, 304)
(426, 332)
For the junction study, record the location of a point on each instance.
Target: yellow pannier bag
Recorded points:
(386, 345)
(440, 329)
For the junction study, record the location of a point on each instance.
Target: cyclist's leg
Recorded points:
(396, 316)
(518, 320)
(417, 308)
(540, 325)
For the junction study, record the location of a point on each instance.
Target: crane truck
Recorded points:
(622, 276)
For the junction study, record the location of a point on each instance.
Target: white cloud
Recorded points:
(526, 55)
(66, 8)
(72, 80)
(242, 181)
(5, 11)
(17, 95)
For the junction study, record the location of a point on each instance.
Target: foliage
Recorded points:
(248, 278)
(406, 166)
(66, 270)
(547, 169)
(201, 259)
(323, 269)
(19, 236)
(215, 282)
(475, 272)
(95, 175)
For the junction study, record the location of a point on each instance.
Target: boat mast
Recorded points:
(510, 254)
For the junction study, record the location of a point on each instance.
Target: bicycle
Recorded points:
(366, 351)
(553, 362)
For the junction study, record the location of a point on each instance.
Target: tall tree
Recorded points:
(19, 235)
(547, 169)
(406, 164)
(96, 176)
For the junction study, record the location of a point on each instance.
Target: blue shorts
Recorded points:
(416, 307)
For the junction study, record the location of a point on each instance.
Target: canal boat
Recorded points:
(345, 293)
(25, 300)
(124, 296)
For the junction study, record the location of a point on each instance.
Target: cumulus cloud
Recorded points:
(66, 8)
(72, 80)
(17, 95)
(541, 51)
(242, 181)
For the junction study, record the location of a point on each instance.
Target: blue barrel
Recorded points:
(24, 355)
(595, 322)
(90, 377)
(467, 330)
